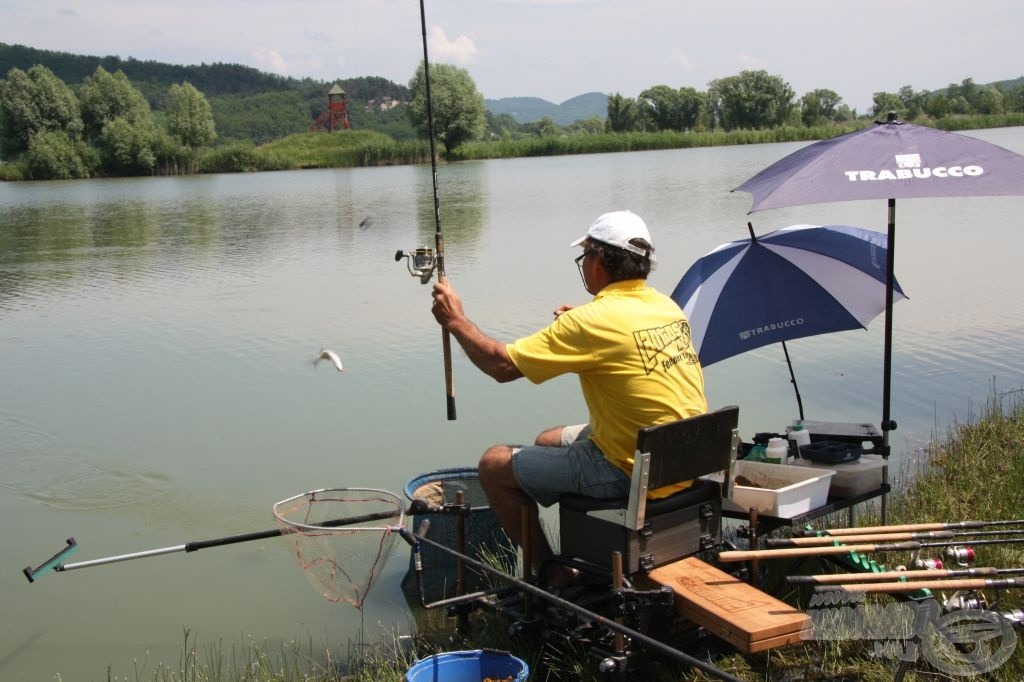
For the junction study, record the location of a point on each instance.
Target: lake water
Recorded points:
(156, 338)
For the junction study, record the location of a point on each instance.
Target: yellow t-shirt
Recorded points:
(631, 348)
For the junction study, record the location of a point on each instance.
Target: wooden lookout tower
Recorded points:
(337, 109)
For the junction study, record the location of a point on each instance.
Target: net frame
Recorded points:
(341, 553)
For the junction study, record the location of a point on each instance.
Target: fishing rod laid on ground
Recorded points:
(957, 525)
(883, 576)
(446, 340)
(910, 546)
(818, 540)
(915, 585)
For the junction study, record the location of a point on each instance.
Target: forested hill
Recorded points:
(528, 109)
(211, 79)
(233, 88)
(247, 104)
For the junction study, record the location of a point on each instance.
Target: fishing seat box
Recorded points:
(651, 533)
(675, 527)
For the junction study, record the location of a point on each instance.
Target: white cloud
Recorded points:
(462, 50)
(749, 61)
(677, 57)
(270, 60)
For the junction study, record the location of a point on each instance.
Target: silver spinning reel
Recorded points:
(421, 263)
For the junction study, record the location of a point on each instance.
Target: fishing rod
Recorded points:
(915, 585)
(811, 541)
(56, 562)
(446, 341)
(958, 525)
(883, 576)
(910, 546)
(819, 540)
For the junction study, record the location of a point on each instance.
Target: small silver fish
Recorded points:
(331, 357)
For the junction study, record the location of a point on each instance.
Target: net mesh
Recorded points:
(341, 538)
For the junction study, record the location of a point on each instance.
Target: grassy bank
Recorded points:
(974, 472)
(366, 148)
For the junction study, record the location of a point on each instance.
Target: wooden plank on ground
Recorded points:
(727, 607)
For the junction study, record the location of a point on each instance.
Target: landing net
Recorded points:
(341, 537)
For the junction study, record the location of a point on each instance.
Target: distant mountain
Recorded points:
(530, 109)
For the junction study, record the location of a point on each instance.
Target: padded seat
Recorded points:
(702, 490)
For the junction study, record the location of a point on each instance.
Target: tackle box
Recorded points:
(852, 478)
(830, 452)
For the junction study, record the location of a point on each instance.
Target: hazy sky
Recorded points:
(555, 49)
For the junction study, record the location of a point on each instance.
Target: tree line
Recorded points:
(106, 128)
(750, 100)
(111, 123)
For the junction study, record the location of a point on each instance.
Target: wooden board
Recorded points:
(727, 607)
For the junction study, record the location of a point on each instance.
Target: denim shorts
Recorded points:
(545, 473)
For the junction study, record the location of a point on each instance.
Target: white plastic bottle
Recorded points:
(777, 451)
(799, 436)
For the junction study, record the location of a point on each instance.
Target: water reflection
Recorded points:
(462, 197)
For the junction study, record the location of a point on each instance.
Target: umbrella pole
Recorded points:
(792, 380)
(887, 423)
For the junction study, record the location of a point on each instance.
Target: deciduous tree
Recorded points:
(35, 101)
(818, 106)
(884, 102)
(108, 96)
(55, 155)
(623, 114)
(668, 108)
(189, 117)
(458, 107)
(751, 99)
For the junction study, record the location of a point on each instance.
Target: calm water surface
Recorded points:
(156, 338)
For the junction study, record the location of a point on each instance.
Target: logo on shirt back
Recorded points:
(665, 346)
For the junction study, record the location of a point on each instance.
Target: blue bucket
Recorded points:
(468, 666)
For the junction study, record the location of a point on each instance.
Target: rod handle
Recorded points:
(446, 350)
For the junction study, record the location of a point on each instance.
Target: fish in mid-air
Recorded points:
(331, 357)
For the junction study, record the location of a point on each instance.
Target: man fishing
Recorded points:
(630, 347)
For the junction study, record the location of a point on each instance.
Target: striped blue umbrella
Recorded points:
(795, 282)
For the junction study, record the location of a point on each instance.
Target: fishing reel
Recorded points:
(962, 555)
(421, 263)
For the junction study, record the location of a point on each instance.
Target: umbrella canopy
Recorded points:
(890, 160)
(799, 281)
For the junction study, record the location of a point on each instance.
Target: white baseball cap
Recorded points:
(617, 228)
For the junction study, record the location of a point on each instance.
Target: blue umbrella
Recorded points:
(799, 281)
